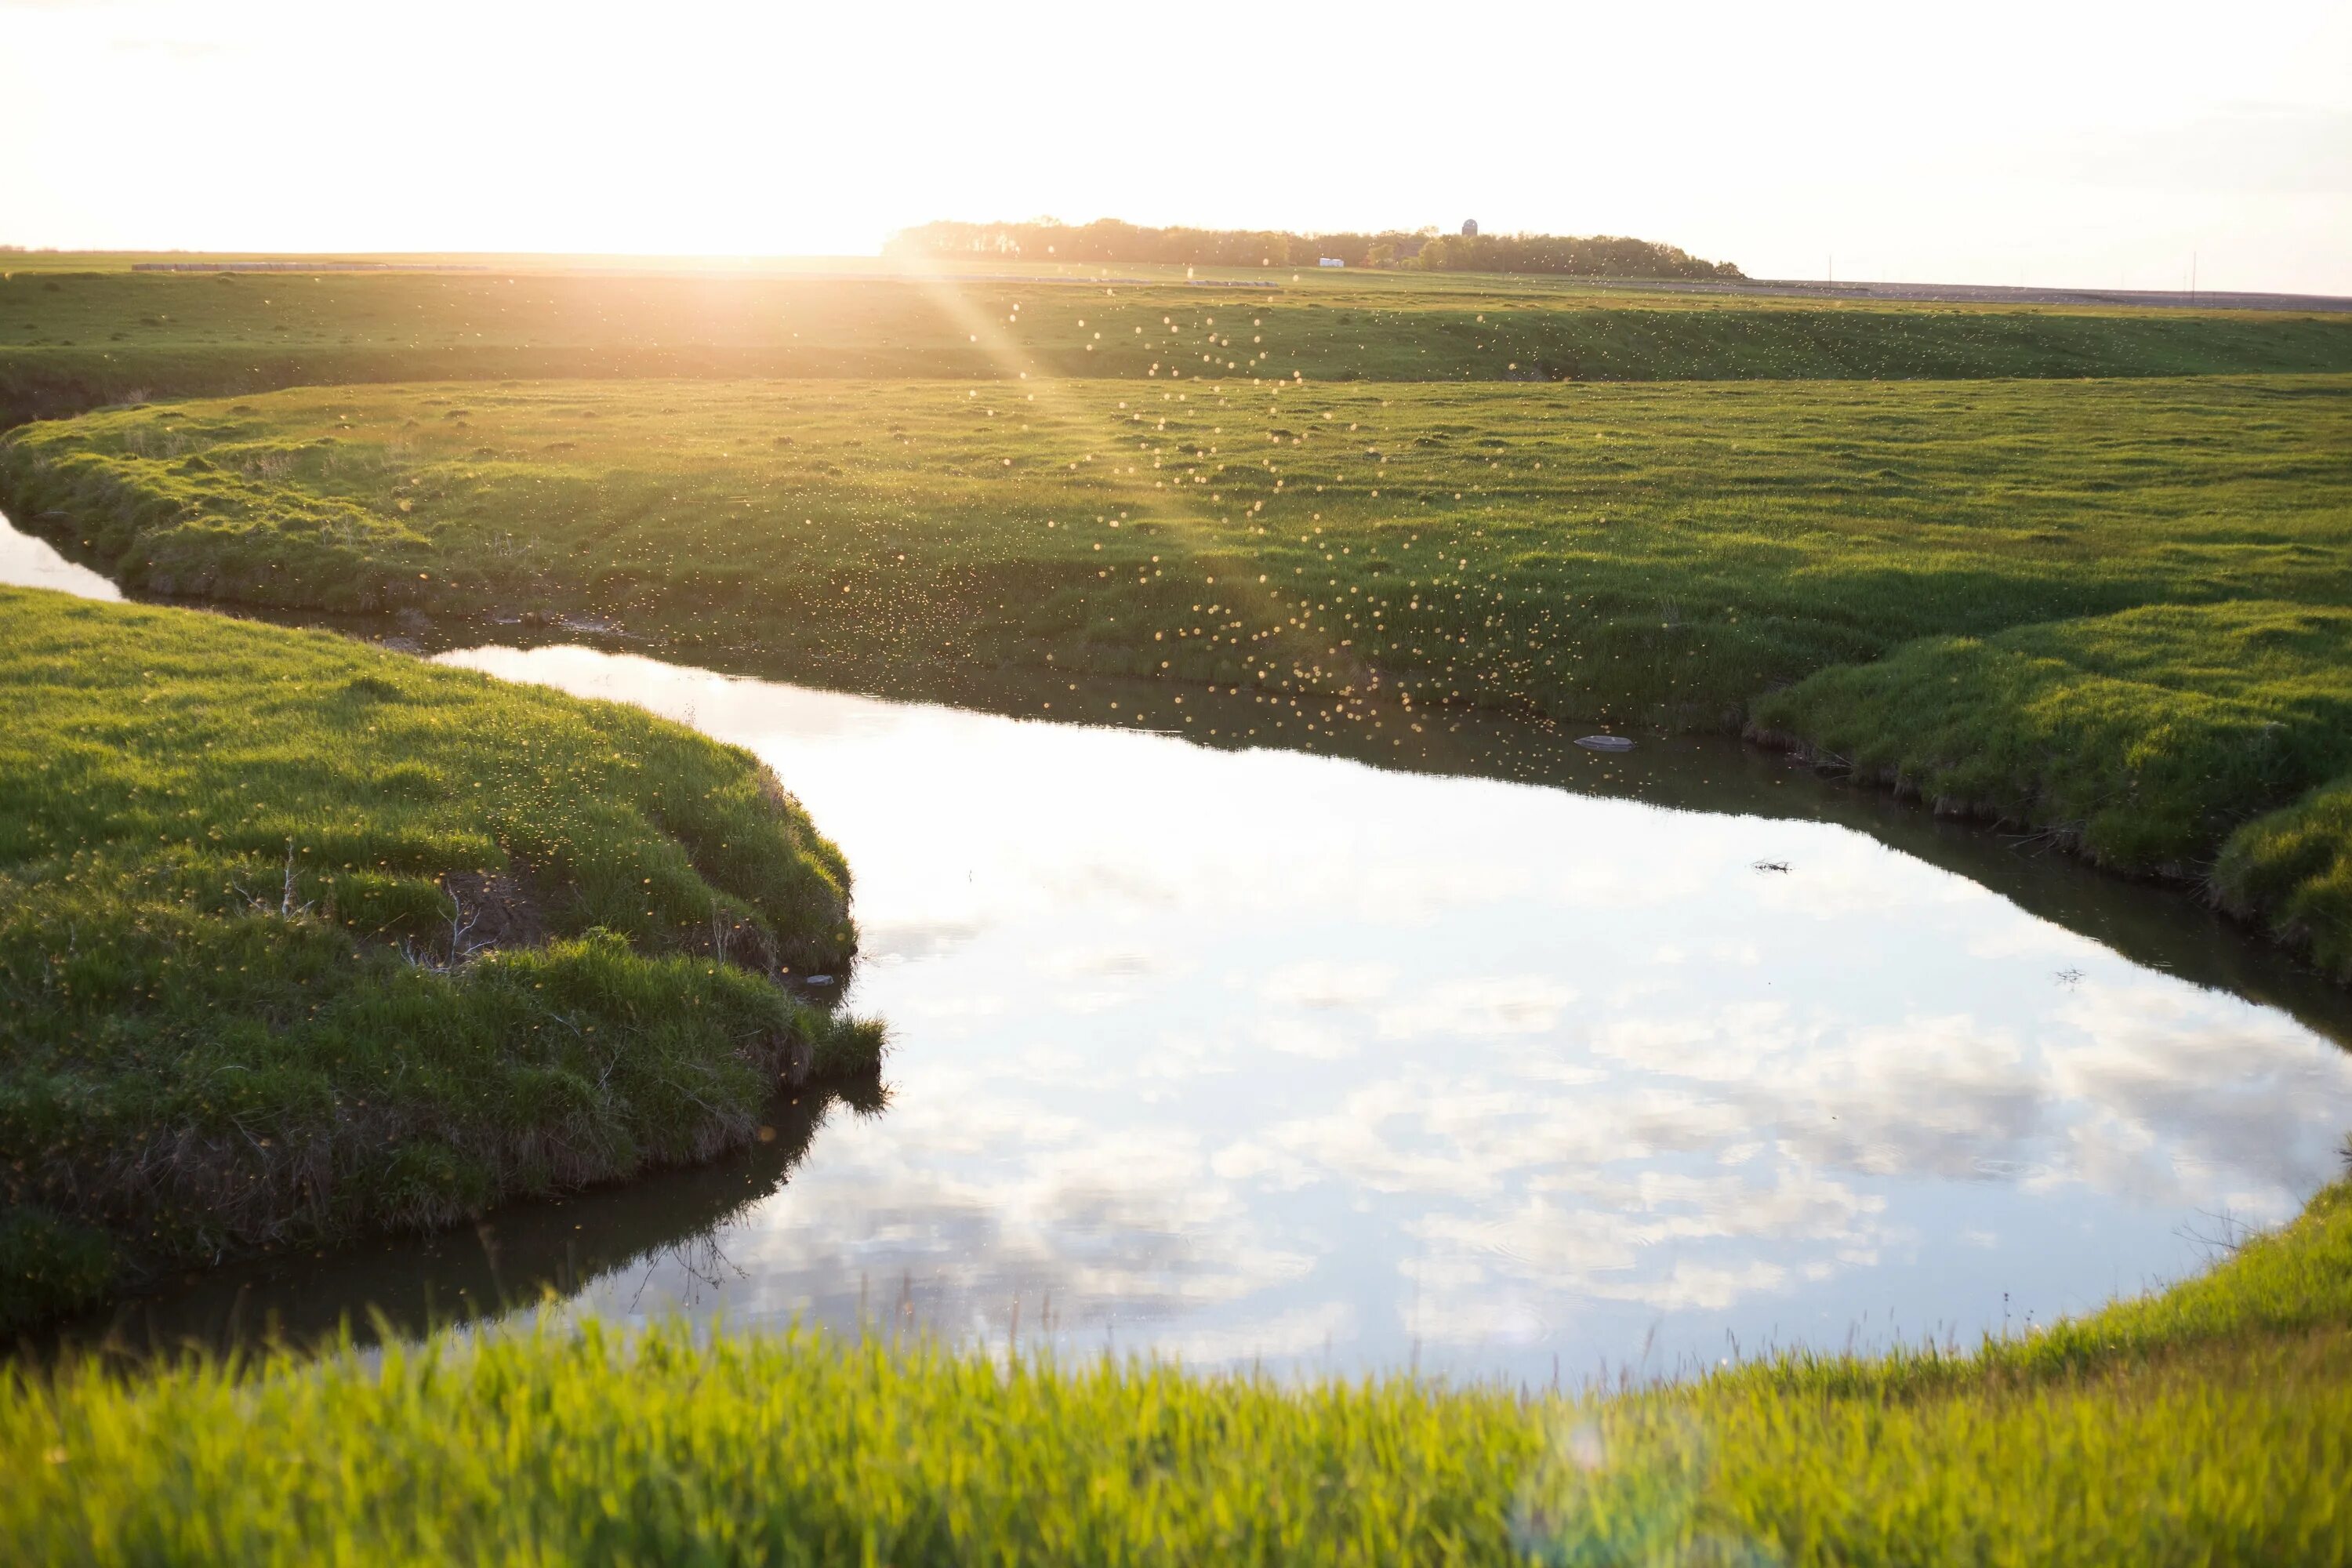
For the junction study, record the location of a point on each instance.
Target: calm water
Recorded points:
(28, 563)
(1265, 1055)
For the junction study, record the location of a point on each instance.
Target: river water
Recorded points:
(1515, 1061)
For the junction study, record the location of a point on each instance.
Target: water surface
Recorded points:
(1247, 1054)
(28, 563)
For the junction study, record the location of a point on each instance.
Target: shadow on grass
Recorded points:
(515, 1259)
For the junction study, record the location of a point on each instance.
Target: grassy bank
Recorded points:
(1621, 552)
(1956, 572)
(2210, 1424)
(2292, 868)
(70, 341)
(300, 938)
(2208, 742)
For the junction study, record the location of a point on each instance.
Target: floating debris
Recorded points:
(1605, 742)
(1771, 865)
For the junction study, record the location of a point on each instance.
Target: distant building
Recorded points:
(1469, 228)
(1329, 262)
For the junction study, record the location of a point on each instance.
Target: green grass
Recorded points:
(2143, 737)
(71, 341)
(1625, 552)
(2210, 1424)
(2293, 870)
(2113, 610)
(300, 938)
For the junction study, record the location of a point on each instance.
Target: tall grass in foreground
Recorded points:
(2211, 1425)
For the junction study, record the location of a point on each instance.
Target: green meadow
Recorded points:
(2117, 612)
(2213, 1422)
(72, 340)
(300, 939)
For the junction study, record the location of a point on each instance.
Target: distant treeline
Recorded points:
(1107, 239)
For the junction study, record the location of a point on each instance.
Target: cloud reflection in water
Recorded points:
(1259, 1054)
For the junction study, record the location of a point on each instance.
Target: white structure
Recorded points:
(1329, 262)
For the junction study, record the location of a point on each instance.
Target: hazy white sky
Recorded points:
(2047, 142)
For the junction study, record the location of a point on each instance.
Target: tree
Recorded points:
(1110, 240)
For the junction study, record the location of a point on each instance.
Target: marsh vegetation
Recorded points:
(302, 940)
(2113, 612)
(72, 340)
(2212, 1423)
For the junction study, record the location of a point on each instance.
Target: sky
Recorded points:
(2051, 143)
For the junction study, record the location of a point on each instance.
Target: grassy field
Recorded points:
(2118, 611)
(2212, 1424)
(72, 340)
(298, 938)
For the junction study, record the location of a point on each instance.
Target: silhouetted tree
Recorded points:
(1110, 240)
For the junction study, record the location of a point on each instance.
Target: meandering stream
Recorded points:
(1264, 1055)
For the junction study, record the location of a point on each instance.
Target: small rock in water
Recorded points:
(1605, 742)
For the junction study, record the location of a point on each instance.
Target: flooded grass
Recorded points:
(301, 939)
(2214, 1422)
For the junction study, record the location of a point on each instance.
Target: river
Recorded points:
(1514, 1062)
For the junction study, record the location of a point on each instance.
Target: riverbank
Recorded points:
(299, 940)
(2210, 1423)
(2210, 744)
(2113, 612)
